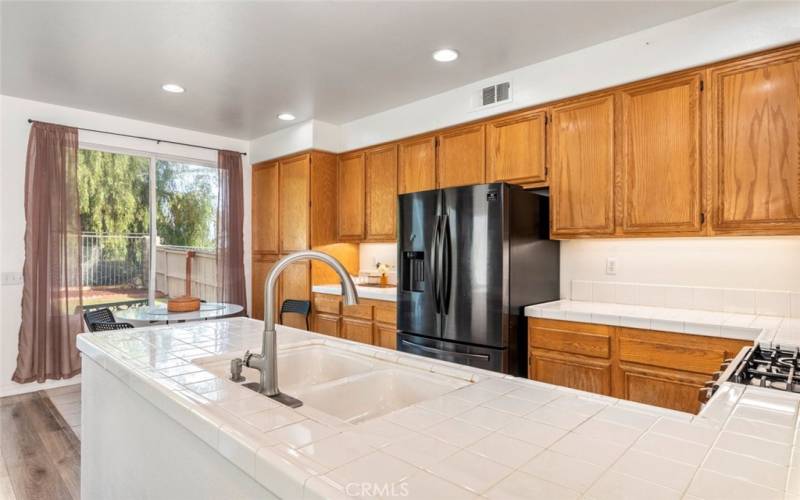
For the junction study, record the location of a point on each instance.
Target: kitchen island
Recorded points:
(161, 420)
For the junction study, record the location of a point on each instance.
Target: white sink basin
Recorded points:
(369, 395)
(348, 386)
(299, 367)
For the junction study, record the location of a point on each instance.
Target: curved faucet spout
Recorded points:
(267, 361)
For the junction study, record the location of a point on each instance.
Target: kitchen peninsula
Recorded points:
(377, 423)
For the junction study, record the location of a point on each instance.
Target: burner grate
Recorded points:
(775, 368)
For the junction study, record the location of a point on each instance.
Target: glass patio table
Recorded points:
(146, 315)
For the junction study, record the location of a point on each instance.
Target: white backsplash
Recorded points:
(735, 300)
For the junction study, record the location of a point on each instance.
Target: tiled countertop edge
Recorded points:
(364, 292)
(769, 331)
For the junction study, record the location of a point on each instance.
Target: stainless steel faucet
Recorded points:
(267, 361)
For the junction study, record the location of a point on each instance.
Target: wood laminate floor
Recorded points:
(39, 448)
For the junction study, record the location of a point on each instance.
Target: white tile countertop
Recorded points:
(366, 292)
(769, 331)
(497, 437)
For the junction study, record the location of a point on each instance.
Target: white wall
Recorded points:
(14, 129)
(767, 263)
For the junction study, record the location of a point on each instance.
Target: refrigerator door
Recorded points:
(487, 358)
(419, 231)
(474, 265)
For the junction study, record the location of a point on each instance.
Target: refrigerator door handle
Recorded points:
(447, 267)
(434, 350)
(435, 264)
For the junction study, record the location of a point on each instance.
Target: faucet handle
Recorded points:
(236, 369)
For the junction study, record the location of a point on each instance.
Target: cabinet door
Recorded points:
(294, 201)
(350, 225)
(461, 159)
(261, 267)
(326, 324)
(659, 387)
(582, 178)
(385, 336)
(570, 370)
(755, 144)
(295, 283)
(265, 208)
(661, 156)
(357, 330)
(417, 165)
(515, 149)
(381, 172)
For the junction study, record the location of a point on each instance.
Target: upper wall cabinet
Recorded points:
(515, 149)
(416, 170)
(461, 157)
(582, 180)
(381, 191)
(294, 203)
(265, 208)
(661, 156)
(754, 130)
(352, 185)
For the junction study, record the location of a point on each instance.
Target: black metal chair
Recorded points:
(103, 320)
(292, 306)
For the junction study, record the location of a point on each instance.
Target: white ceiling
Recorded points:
(242, 63)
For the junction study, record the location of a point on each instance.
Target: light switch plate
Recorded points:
(611, 265)
(10, 278)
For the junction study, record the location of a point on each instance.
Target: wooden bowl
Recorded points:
(184, 303)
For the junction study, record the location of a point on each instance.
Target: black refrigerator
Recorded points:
(470, 259)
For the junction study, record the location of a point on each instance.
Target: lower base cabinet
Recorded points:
(657, 368)
(369, 322)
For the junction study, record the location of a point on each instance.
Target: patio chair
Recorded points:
(103, 320)
(292, 306)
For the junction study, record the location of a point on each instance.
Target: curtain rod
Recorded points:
(157, 141)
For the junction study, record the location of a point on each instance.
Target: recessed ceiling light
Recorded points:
(287, 117)
(445, 55)
(173, 87)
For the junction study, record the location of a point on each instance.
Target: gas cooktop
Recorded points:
(767, 367)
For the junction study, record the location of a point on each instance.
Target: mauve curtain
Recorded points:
(51, 294)
(230, 235)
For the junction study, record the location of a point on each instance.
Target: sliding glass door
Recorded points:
(146, 222)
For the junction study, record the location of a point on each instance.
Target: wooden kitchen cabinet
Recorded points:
(294, 201)
(576, 355)
(662, 156)
(754, 132)
(351, 200)
(262, 264)
(385, 336)
(516, 149)
(461, 156)
(416, 170)
(265, 208)
(381, 193)
(357, 330)
(295, 284)
(658, 368)
(583, 168)
(327, 324)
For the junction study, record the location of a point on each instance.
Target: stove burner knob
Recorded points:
(716, 375)
(710, 384)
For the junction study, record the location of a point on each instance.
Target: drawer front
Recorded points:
(690, 353)
(582, 374)
(386, 313)
(360, 311)
(324, 303)
(573, 338)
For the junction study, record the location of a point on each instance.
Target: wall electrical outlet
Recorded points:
(10, 278)
(611, 265)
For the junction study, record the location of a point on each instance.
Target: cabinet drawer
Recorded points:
(361, 311)
(691, 353)
(324, 303)
(585, 374)
(574, 338)
(386, 313)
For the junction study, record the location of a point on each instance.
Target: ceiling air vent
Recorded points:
(495, 94)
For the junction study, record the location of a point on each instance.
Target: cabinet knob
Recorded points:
(705, 394)
(716, 375)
